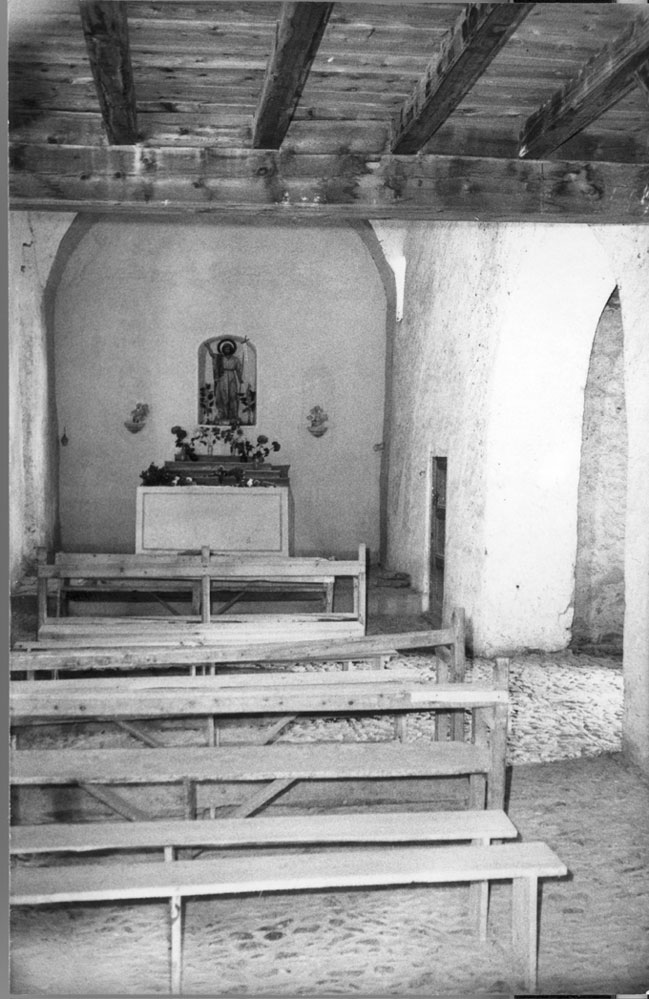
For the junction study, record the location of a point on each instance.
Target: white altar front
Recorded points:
(256, 520)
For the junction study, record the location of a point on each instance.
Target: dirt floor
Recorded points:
(569, 787)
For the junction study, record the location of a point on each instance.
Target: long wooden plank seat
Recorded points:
(201, 573)
(267, 830)
(285, 694)
(243, 694)
(480, 827)
(295, 761)
(98, 632)
(52, 655)
(522, 863)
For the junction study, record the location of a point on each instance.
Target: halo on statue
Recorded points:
(226, 341)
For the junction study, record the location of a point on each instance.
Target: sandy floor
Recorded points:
(569, 787)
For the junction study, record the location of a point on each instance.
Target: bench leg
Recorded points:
(477, 791)
(196, 599)
(479, 900)
(189, 799)
(176, 918)
(524, 929)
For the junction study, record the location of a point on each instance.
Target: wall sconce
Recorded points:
(317, 421)
(138, 418)
(64, 438)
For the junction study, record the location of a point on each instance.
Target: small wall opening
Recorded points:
(599, 572)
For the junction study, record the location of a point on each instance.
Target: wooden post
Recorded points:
(176, 919)
(206, 590)
(41, 587)
(361, 592)
(206, 598)
(196, 598)
(442, 718)
(458, 668)
(480, 737)
(498, 747)
(479, 898)
(189, 797)
(524, 929)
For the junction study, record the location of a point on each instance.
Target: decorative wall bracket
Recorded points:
(317, 419)
(138, 418)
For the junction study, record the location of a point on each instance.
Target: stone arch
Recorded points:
(599, 571)
(371, 241)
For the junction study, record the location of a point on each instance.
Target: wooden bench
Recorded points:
(320, 868)
(201, 574)
(282, 695)
(50, 655)
(280, 765)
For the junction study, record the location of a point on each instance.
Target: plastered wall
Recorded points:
(490, 370)
(33, 243)
(490, 365)
(628, 250)
(443, 357)
(133, 304)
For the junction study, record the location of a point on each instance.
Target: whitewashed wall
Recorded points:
(33, 243)
(133, 304)
(490, 366)
(628, 250)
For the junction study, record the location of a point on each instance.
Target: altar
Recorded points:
(256, 520)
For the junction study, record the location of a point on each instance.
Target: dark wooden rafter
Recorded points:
(642, 78)
(260, 184)
(105, 29)
(477, 36)
(298, 35)
(602, 82)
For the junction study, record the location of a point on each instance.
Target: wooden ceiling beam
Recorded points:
(297, 37)
(642, 78)
(603, 81)
(477, 36)
(105, 29)
(268, 185)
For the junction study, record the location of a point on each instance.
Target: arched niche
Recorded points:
(227, 381)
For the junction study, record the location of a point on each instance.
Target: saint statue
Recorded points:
(227, 381)
(227, 375)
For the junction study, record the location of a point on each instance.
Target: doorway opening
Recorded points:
(599, 570)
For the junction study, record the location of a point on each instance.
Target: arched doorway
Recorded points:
(599, 571)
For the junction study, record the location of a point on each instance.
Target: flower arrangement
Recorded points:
(185, 449)
(232, 435)
(156, 476)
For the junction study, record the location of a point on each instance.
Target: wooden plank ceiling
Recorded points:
(422, 110)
